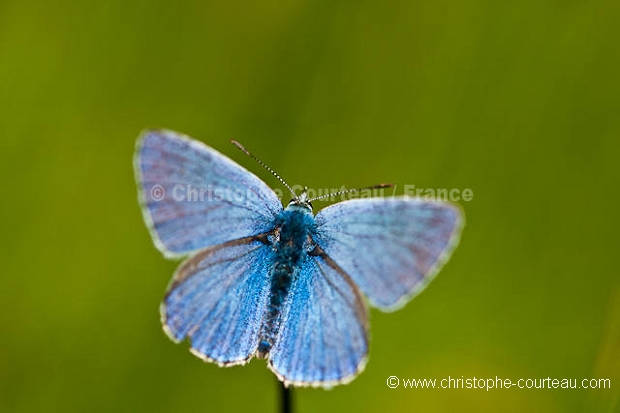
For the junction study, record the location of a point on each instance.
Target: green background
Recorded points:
(518, 101)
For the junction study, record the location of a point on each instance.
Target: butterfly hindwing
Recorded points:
(218, 298)
(194, 197)
(323, 337)
(390, 247)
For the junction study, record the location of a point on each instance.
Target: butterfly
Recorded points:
(280, 283)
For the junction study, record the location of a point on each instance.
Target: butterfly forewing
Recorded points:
(194, 197)
(390, 247)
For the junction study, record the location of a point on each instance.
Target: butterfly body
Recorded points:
(291, 241)
(278, 283)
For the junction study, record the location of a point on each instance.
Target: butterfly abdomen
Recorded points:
(292, 240)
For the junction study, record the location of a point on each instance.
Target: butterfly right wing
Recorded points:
(217, 299)
(390, 247)
(323, 337)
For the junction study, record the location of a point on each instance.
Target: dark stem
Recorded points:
(286, 397)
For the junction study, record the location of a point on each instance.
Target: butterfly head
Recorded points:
(301, 201)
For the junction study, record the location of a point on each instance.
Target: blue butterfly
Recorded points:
(280, 283)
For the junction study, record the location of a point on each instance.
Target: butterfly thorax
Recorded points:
(291, 241)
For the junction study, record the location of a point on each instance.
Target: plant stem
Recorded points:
(286, 396)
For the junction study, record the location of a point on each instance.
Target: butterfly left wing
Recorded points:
(218, 298)
(323, 337)
(390, 247)
(194, 197)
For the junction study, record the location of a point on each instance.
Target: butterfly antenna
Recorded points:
(261, 163)
(346, 191)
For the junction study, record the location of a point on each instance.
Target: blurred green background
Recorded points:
(518, 101)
